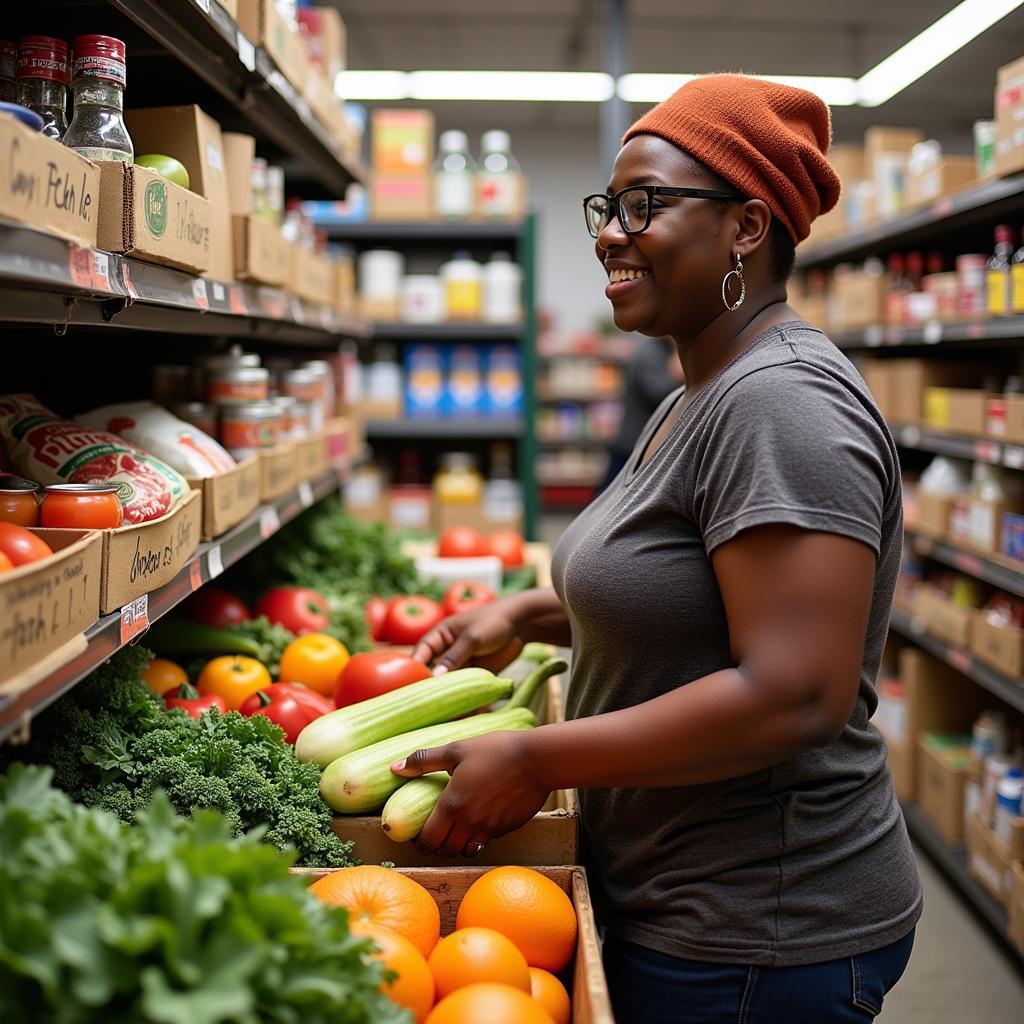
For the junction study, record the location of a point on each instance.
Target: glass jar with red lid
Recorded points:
(43, 81)
(97, 130)
(19, 501)
(82, 507)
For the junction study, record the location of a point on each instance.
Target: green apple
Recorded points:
(171, 169)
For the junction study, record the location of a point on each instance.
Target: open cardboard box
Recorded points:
(44, 604)
(990, 860)
(144, 215)
(948, 621)
(1000, 647)
(261, 253)
(47, 186)
(584, 976)
(551, 837)
(145, 556)
(941, 778)
(311, 456)
(228, 497)
(279, 471)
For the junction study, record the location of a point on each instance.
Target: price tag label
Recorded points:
(100, 270)
(219, 294)
(214, 562)
(298, 313)
(1013, 456)
(305, 494)
(873, 335)
(985, 451)
(135, 619)
(195, 575)
(202, 300)
(246, 52)
(203, 5)
(80, 266)
(126, 280)
(932, 333)
(270, 522)
(238, 301)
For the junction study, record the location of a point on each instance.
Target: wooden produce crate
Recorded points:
(550, 837)
(588, 988)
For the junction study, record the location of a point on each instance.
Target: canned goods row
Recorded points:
(94, 506)
(244, 428)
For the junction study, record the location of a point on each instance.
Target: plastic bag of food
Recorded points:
(50, 450)
(156, 430)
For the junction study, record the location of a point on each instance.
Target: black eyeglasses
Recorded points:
(633, 206)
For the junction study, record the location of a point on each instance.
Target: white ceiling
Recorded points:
(775, 37)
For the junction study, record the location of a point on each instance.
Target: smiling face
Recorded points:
(667, 280)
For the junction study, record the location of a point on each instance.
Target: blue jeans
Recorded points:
(650, 988)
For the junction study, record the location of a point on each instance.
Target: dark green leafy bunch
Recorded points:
(170, 921)
(112, 744)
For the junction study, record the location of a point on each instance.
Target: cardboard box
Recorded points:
(941, 776)
(261, 21)
(378, 309)
(239, 153)
(319, 93)
(141, 558)
(402, 143)
(228, 497)
(1012, 421)
(933, 514)
(261, 253)
(1015, 928)
(1009, 112)
(44, 604)
(398, 197)
(551, 837)
(194, 138)
(880, 375)
(859, 299)
(1000, 647)
(144, 215)
(328, 43)
(588, 988)
(944, 619)
(311, 457)
(230, 6)
(344, 294)
(956, 410)
(279, 471)
(990, 860)
(950, 175)
(913, 377)
(986, 521)
(310, 275)
(899, 754)
(47, 186)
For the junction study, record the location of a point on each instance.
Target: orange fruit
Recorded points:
(488, 1003)
(414, 986)
(527, 908)
(472, 955)
(162, 675)
(382, 896)
(547, 990)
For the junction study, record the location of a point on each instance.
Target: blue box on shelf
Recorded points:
(1013, 536)
(503, 381)
(425, 392)
(464, 391)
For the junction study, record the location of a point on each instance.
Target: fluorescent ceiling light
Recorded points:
(371, 85)
(930, 48)
(653, 88)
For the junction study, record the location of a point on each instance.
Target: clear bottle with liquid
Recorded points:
(97, 130)
(43, 81)
(500, 178)
(503, 494)
(453, 174)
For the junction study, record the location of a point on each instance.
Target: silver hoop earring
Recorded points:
(738, 274)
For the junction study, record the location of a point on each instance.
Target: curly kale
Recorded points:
(113, 744)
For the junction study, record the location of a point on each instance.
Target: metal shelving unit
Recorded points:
(450, 331)
(994, 333)
(997, 453)
(429, 232)
(476, 428)
(106, 637)
(1000, 574)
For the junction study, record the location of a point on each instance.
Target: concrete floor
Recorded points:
(959, 972)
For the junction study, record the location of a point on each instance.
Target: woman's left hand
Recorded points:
(492, 791)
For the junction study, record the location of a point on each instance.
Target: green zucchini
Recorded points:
(528, 689)
(408, 808)
(439, 699)
(362, 781)
(181, 637)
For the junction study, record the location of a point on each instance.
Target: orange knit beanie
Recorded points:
(767, 140)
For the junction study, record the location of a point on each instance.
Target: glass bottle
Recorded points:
(1017, 279)
(8, 71)
(97, 130)
(998, 272)
(42, 81)
(915, 270)
(453, 177)
(500, 179)
(897, 285)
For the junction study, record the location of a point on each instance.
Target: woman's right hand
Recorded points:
(487, 636)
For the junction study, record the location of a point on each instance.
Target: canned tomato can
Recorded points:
(19, 501)
(246, 430)
(201, 415)
(285, 406)
(325, 373)
(94, 506)
(303, 416)
(240, 384)
(307, 386)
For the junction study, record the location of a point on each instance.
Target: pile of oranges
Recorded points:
(515, 930)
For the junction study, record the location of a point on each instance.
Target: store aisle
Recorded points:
(959, 971)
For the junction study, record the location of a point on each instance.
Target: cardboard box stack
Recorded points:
(402, 155)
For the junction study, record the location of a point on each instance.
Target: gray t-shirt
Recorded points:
(808, 860)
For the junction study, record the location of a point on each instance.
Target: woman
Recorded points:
(727, 601)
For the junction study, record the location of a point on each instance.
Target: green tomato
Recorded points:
(171, 169)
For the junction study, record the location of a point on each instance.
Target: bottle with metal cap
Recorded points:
(97, 130)
(453, 173)
(43, 77)
(500, 178)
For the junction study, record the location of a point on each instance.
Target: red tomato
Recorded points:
(409, 618)
(21, 546)
(369, 675)
(187, 698)
(216, 607)
(461, 542)
(466, 595)
(376, 613)
(296, 608)
(508, 546)
(288, 705)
